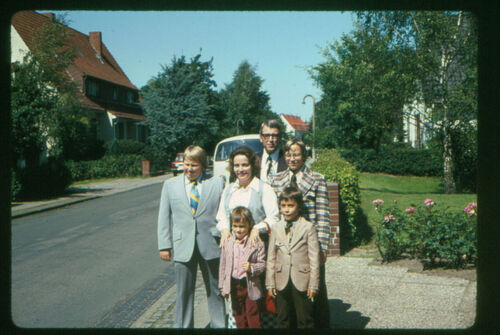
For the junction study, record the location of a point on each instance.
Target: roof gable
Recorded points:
(86, 61)
(296, 122)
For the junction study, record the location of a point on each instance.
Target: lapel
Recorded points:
(180, 185)
(281, 235)
(282, 166)
(298, 233)
(306, 182)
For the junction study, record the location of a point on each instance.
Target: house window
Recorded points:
(92, 88)
(115, 93)
(141, 133)
(120, 130)
(130, 97)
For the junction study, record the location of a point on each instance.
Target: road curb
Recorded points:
(43, 208)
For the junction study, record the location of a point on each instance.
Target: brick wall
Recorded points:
(333, 196)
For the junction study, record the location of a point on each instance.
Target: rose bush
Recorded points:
(428, 233)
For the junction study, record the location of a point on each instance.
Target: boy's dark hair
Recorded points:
(240, 214)
(291, 192)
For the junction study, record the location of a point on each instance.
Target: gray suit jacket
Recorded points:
(179, 229)
(297, 261)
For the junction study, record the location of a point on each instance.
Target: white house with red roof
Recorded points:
(105, 90)
(294, 126)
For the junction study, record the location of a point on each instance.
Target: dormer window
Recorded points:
(92, 88)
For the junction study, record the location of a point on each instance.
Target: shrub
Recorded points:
(124, 147)
(395, 160)
(107, 167)
(50, 178)
(427, 233)
(335, 169)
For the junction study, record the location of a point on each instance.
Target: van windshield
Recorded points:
(224, 149)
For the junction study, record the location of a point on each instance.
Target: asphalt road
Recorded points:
(92, 264)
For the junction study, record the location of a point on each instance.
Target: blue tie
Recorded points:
(194, 197)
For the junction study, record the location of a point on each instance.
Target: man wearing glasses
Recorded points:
(272, 159)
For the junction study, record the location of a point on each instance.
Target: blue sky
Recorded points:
(281, 45)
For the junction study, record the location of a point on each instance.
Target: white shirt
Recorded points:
(188, 186)
(241, 197)
(263, 165)
(298, 175)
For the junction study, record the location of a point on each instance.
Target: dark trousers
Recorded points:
(321, 306)
(295, 310)
(246, 311)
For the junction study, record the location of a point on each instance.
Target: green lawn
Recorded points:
(407, 191)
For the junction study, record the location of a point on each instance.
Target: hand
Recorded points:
(254, 237)
(225, 296)
(246, 267)
(165, 255)
(311, 293)
(224, 236)
(272, 292)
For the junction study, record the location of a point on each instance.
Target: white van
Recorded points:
(224, 148)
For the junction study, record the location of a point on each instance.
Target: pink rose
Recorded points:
(410, 209)
(428, 202)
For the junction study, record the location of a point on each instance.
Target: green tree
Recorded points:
(179, 105)
(243, 104)
(363, 91)
(43, 99)
(443, 49)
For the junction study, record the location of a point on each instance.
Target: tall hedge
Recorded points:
(337, 170)
(398, 161)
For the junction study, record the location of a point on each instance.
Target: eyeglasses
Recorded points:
(271, 135)
(293, 155)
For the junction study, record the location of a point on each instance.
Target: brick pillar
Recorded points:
(333, 196)
(145, 168)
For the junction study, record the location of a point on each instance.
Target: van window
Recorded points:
(225, 149)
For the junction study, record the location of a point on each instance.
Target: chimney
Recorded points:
(95, 41)
(49, 15)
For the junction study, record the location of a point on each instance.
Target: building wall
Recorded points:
(18, 47)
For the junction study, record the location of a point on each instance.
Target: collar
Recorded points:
(299, 173)
(198, 180)
(242, 242)
(275, 155)
(254, 184)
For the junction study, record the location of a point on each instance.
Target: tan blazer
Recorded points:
(298, 260)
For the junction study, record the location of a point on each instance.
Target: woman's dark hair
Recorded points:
(291, 192)
(242, 214)
(253, 159)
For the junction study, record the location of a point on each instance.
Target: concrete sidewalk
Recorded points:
(84, 192)
(361, 295)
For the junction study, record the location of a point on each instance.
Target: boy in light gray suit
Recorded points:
(187, 234)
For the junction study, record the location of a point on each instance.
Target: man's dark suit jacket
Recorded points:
(282, 166)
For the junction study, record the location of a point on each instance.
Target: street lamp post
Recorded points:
(314, 122)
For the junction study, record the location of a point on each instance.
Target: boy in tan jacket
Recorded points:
(292, 267)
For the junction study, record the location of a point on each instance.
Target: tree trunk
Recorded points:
(449, 183)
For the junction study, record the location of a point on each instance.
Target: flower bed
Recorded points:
(427, 232)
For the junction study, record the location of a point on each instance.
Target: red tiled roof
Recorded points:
(86, 58)
(296, 122)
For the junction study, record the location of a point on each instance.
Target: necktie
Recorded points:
(293, 181)
(269, 165)
(194, 197)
